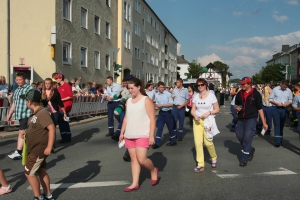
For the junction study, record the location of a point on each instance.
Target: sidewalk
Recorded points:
(74, 122)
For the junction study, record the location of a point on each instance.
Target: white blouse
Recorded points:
(204, 105)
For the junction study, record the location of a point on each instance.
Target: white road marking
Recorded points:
(282, 171)
(86, 185)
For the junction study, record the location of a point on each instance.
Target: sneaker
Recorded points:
(15, 156)
(5, 191)
(48, 197)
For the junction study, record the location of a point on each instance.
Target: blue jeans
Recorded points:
(245, 131)
(279, 115)
(178, 115)
(111, 106)
(64, 128)
(164, 117)
(234, 120)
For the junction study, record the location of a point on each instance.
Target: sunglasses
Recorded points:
(200, 85)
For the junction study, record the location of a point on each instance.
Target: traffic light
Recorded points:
(282, 69)
(117, 69)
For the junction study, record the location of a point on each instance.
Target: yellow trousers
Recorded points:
(199, 138)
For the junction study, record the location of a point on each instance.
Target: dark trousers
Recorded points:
(234, 120)
(279, 115)
(178, 115)
(245, 131)
(118, 131)
(226, 97)
(298, 117)
(111, 106)
(268, 116)
(164, 117)
(191, 117)
(64, 128)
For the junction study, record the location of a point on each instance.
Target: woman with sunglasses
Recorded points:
(52, 101)
(204, 105)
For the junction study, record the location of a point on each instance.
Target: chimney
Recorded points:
(285, 48)
(182, 56)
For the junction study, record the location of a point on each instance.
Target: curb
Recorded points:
(13, 134)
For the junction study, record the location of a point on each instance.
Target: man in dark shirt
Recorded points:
(248, 104)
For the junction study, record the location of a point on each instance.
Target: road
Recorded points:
(91, 167)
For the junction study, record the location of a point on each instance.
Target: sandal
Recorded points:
(198, 169)
(214, 164)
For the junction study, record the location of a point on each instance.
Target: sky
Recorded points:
(240, 33)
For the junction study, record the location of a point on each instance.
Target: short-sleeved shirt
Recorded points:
(112, 90)
(65, 91)
(281, 96)
(296, 101)
(37, 133)
(151, 94)
(204, 105)
(20, 108)
(163, 98)
(180, 96)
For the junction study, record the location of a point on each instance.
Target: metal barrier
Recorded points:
(82, 106)
(87, 105)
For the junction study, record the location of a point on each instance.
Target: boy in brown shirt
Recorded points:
(40, 138)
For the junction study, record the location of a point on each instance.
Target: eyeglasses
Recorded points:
(200, 85)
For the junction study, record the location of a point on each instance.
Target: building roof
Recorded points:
(181, 60)
(211, 66)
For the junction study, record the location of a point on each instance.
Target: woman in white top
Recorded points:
(138, 132)
(204, 105)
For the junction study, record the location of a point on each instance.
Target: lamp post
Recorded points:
(286, 66)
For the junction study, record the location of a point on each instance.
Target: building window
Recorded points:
(137, 30)
(97, 24)
(137, 6)
(143, 28)
(127, 11)
(108, 3)
(148, 57)
(107, 31)
(107, 62)
(126, 39)
(84, 17)
(83, 57)
(137, 53)
(143, 46)
(97, 60)
(67, 53)
(67, 9)
(142, 67)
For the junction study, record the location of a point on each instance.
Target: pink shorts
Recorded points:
(138, 142)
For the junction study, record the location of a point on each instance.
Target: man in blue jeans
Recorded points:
(280, 98)
(248, 104)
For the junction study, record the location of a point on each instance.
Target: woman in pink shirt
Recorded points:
(190, 105)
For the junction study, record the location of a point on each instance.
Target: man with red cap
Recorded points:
(248, 104)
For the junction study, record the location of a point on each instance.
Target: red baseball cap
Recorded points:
(245, 80)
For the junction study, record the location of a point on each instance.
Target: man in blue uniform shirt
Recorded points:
(164, 103)
(112, 89)
(280, 98)
(181, 99)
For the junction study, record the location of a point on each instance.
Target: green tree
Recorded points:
(194, 69)
(224, 68)
(271, 73)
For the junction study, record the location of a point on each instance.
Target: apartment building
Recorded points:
(85, 38)
(290, 57)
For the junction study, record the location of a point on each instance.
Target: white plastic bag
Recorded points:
(210, 126)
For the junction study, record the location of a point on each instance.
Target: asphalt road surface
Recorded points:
(91, 167)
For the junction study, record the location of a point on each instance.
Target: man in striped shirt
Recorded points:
(22, 112)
